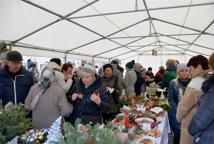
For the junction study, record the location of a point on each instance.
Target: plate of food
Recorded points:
(157, 110)
(144, 120)
(154, 133)
(146, 140)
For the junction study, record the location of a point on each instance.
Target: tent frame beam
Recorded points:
(157, 45)
(183, 26)
(132, 51)
(184, 48)
(209, 25)
(84, 27)
(54, 50)
(151, 22)
(147, 50)
(56, 21)
(151, 19)
(107, 37)
(121, 46)
(152, 35)
(143, 10)
(188, 42)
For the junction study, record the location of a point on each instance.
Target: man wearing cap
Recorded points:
(15, 81)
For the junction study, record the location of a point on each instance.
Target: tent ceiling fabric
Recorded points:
(105, 29)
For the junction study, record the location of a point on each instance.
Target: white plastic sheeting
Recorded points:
(105, 29)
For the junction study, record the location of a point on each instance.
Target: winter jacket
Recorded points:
(59, 77)
(159, 76)
(138, 84)
(168, 75)
(175, 91)
(187, 107)
(119, 76)
(84, 108)
(52, 104)
(14, 90)
(202, 124)
(130, 79)
(114, 97)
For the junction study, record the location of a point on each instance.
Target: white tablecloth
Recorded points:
(164, 128)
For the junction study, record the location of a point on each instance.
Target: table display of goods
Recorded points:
(147, 101)
(139, 124)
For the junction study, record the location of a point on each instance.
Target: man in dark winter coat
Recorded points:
(15, 80)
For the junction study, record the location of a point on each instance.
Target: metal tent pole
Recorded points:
(58, 20)
(142, 10)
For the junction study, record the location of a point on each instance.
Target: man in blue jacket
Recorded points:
(15, 80)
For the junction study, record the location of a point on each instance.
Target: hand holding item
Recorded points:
(76, 96)
(95, 97)
(110, 90)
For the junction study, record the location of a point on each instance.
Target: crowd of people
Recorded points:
(95, 97)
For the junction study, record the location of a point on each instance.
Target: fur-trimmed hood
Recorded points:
(208, 83)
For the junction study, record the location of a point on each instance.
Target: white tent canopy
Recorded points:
(105, 29)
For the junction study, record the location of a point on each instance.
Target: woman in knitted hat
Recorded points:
(176, 90)
(89, 97)
(32, 68)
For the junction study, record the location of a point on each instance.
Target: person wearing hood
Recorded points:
(130, 78)
(55, 64)
(188, 103)
(176, 90)
(89, 97)
(47, 101)
(202, 125)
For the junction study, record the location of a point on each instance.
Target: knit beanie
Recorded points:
(87, 68)
(181, 67)
(30, 64)
(130, 64)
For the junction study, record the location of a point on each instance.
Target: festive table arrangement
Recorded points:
(143, 121)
